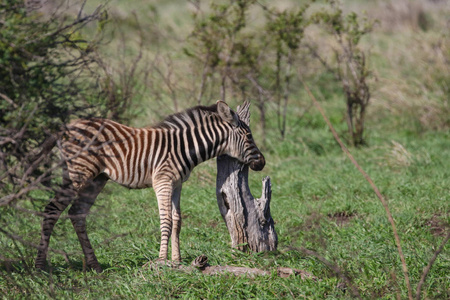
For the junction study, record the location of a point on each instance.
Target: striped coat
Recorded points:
(161, 157)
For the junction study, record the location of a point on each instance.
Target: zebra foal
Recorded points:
(162, 157)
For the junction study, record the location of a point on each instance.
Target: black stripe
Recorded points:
(192, 142)
(219, 133)
(213, 134)
(88, 160)
(198, 135)
(133, 150)
(191, 145)
(174, 138)
(183, 131)
(164, 148)
(85, 134)
(148, 137)
(94, 123)
(139, 154)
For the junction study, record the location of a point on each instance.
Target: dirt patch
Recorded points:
(341, 218)
(437, 226)
(213, 223)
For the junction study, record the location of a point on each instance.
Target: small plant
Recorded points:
(285, 31)
(250, 62)
(232, 57)
(349, 65)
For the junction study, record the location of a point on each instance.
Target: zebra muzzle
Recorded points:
(258, 164)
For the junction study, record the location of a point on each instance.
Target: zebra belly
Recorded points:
(126, 182)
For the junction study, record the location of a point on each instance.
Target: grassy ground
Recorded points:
(319, 202)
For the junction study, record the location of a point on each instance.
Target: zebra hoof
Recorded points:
(96, 267)
(40, 266)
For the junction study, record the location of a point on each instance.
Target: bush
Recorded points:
(47, 77)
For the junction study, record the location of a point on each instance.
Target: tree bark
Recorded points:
(248, 220)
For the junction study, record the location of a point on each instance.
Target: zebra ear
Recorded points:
(243, 112)
(227, 114)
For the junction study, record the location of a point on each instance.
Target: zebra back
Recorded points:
(133, 156)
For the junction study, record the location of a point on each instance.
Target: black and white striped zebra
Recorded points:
(161, 157)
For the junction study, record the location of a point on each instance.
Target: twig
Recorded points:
(204, 74)
(372, 184)
(427, 269)
(335, 269)
(314, 53)
(8, 100)
(27, 187)
(81, 9)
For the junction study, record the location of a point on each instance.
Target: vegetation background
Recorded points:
(148, 59)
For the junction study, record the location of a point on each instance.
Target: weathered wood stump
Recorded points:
(248, 220)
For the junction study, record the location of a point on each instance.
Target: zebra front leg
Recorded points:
(78, 213)
(164, 196)
(176, 224)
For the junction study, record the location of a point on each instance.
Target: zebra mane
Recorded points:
(169, 121)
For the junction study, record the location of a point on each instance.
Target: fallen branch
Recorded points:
(250, 272)
(201, 264)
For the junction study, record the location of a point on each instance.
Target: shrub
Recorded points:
(47, 78)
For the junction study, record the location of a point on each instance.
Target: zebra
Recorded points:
(96, 150)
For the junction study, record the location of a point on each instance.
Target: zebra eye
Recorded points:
(249, 136)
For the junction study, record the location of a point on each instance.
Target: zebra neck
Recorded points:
(195, 138)
(214, 148)
(211, 138)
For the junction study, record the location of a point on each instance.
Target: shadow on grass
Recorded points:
(25, 266)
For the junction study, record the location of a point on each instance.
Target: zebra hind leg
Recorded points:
(78, 213)
(51, 215)
(176, 224)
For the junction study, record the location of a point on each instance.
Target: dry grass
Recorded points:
(411, 61)
(398, 156)
(409, 55)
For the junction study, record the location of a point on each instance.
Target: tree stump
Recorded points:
(248, 220)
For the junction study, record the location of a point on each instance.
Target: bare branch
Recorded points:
(372, 184)
(335, 269)
(427, 269)
(8, 100)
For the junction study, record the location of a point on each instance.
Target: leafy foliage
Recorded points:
(44, 67)
(47, 77)
(44, 64)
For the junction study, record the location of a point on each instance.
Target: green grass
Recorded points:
(308, 190)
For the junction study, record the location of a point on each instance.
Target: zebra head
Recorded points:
(240, 140)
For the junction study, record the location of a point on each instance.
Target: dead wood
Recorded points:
(201, 264)
(248, 220)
